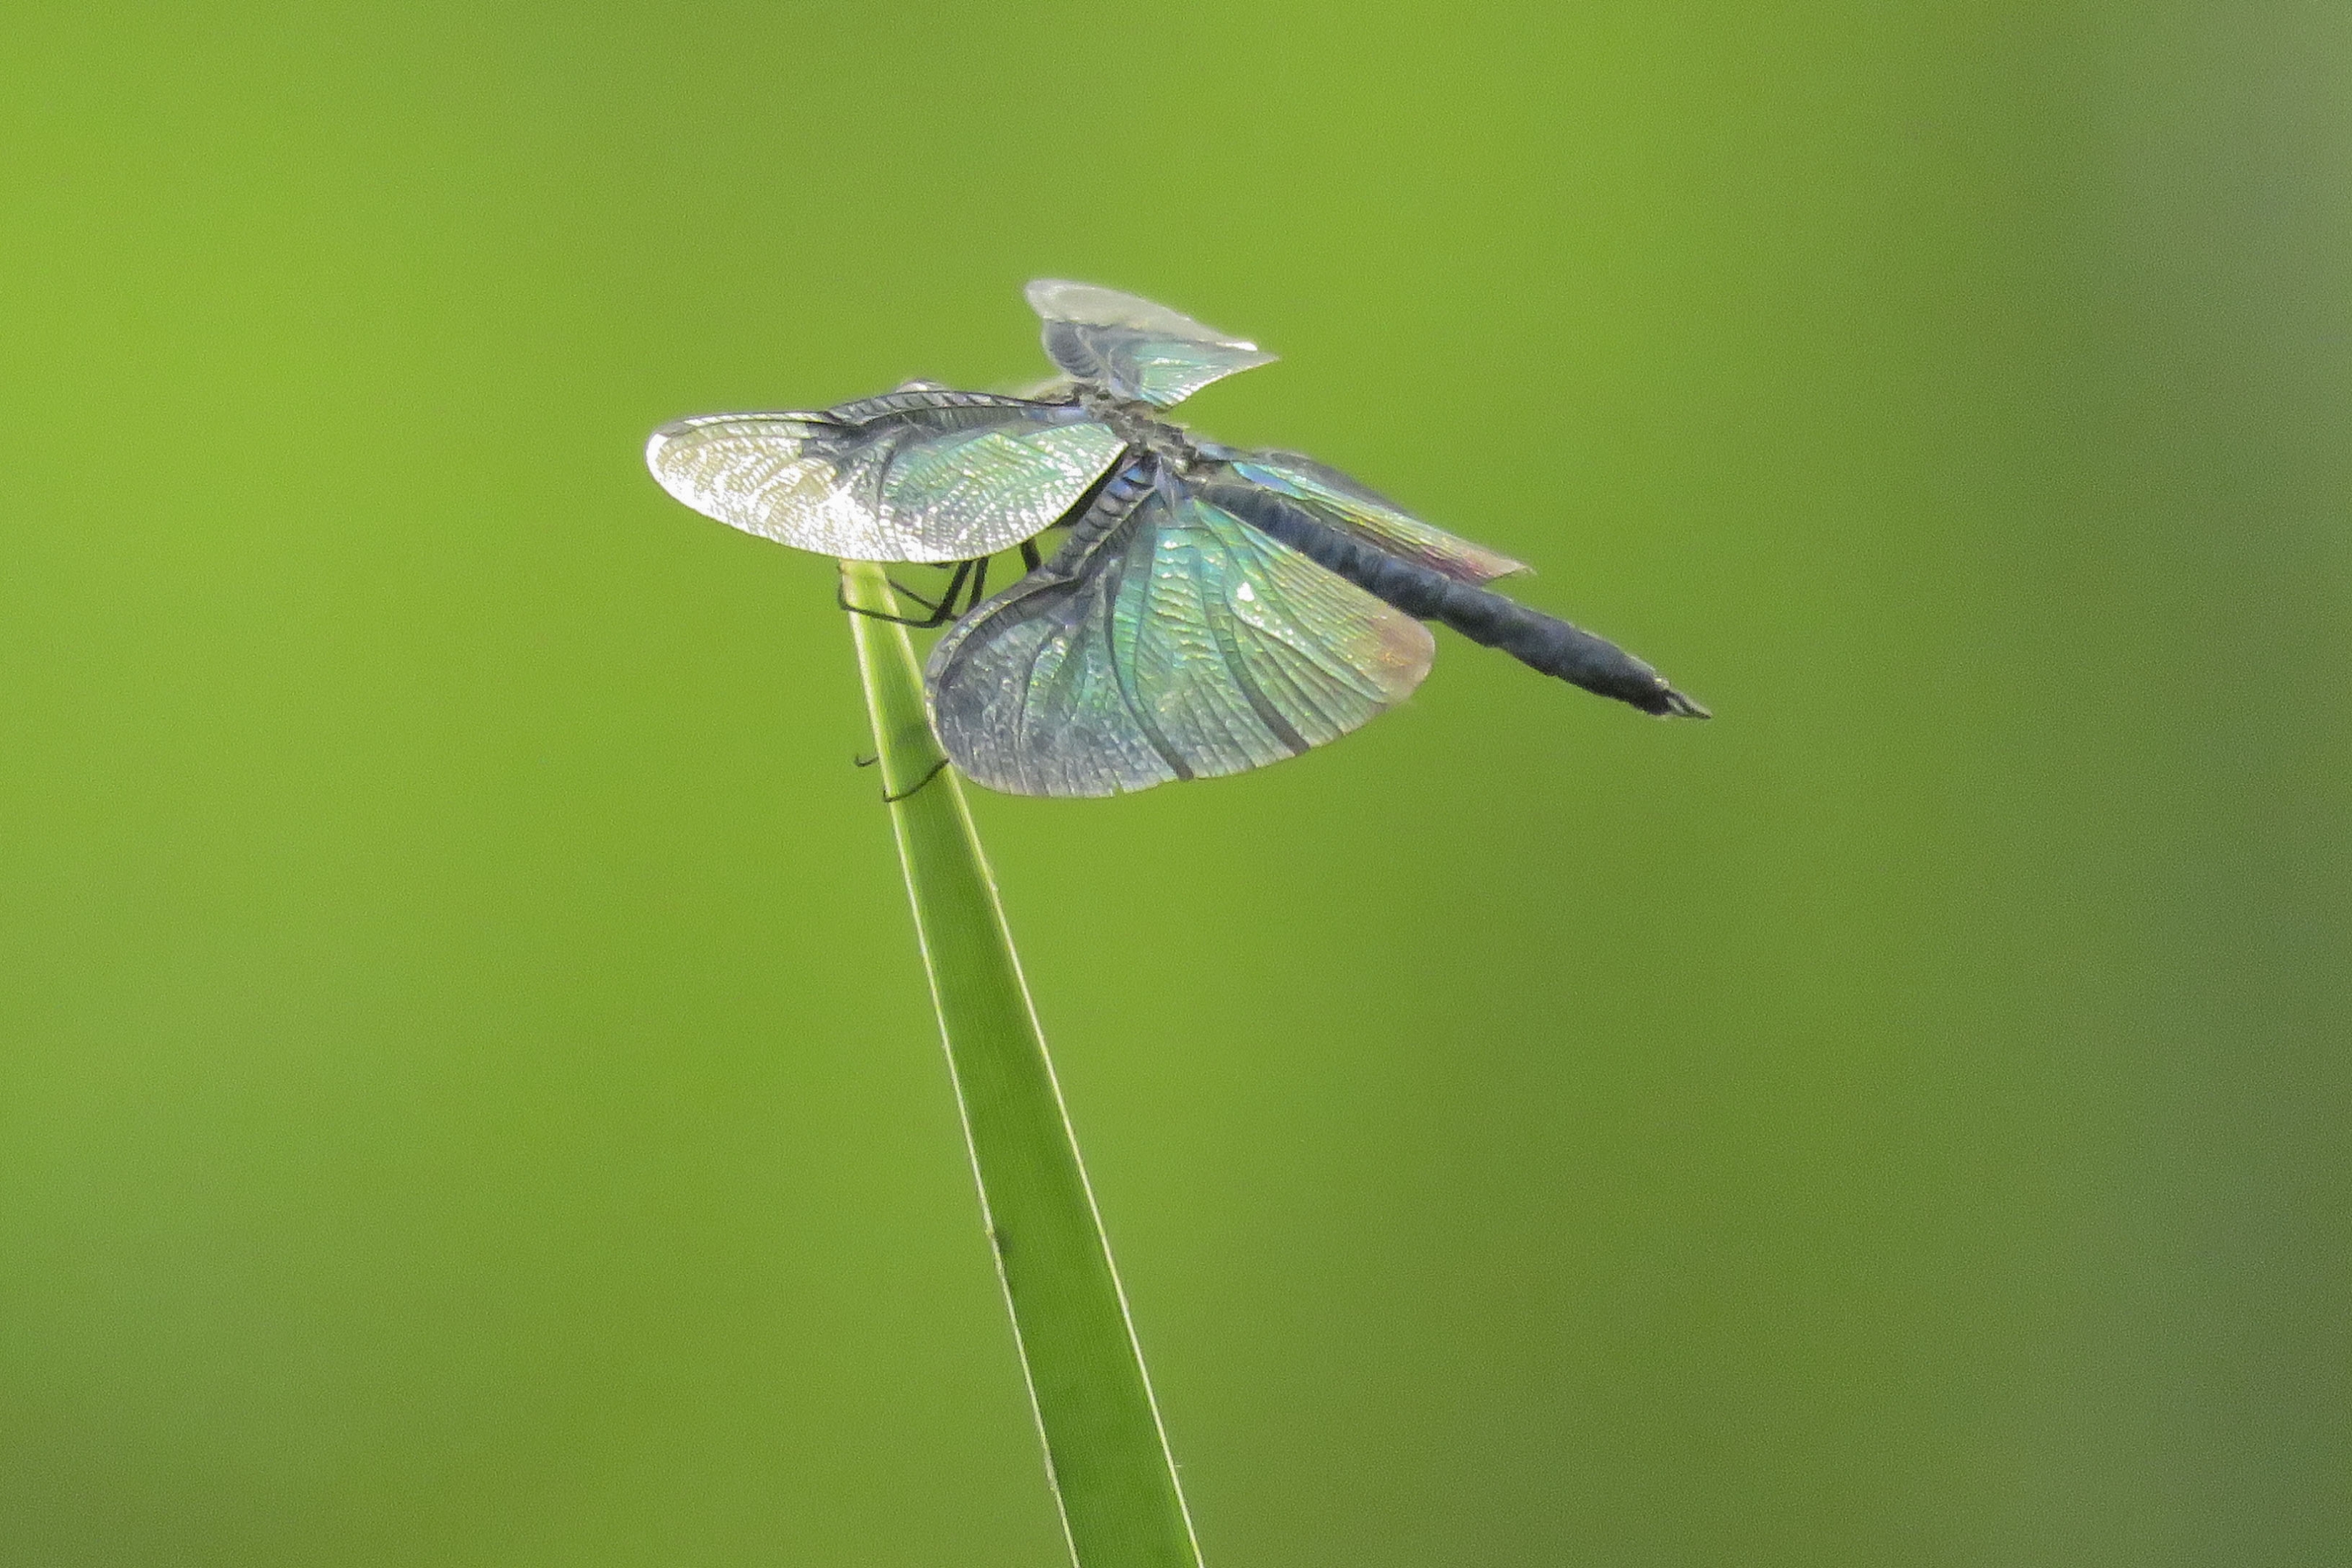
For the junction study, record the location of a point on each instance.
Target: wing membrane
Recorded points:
(1357, 509)
(924, 474)
(1132, 346)
(1167, 639)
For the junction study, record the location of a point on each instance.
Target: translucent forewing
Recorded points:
(1132, 347)
(921, 475)
(1357, 509)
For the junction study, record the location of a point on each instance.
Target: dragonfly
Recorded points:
(1207, 610)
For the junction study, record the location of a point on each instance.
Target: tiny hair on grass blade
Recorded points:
(1107, 1455)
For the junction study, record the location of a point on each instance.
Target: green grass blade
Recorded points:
(1105, 1454)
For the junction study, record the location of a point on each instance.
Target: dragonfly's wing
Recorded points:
(1133, 347)
(1167, 639)
(920, 474)
(1353, 507)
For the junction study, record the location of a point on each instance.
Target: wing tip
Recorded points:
(1093, 305)
(1039, 291)
(656, 445)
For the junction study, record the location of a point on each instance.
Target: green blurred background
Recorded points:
(470, 1097)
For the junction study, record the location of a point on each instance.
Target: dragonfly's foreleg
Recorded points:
(970, 580)
(1030, 559)
(945, 608)
(941, 614)
(961, 567)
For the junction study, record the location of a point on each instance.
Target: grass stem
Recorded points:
(1107, 1455)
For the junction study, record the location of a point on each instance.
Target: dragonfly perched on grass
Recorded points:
(1208, 610)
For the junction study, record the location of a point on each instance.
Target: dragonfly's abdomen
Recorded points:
(1541, 642)
(1100, 512)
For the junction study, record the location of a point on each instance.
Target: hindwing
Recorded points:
(1167, 639)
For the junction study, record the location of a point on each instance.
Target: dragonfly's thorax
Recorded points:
(1139, 425)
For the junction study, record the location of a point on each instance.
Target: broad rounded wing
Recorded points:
(920, 474)
(1167, 639)
(1133, 347)
(1357, 509)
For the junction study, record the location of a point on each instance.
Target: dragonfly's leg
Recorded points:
(1030, 559)
(944, 608)
(979, 585)
(959, 567)
(941, 613)
(920, 623)
(888, 799)
(841, 597)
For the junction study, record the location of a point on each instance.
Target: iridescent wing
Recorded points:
(924, 474)
(1356, 508)
(1133, 347)
(1166, 639)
